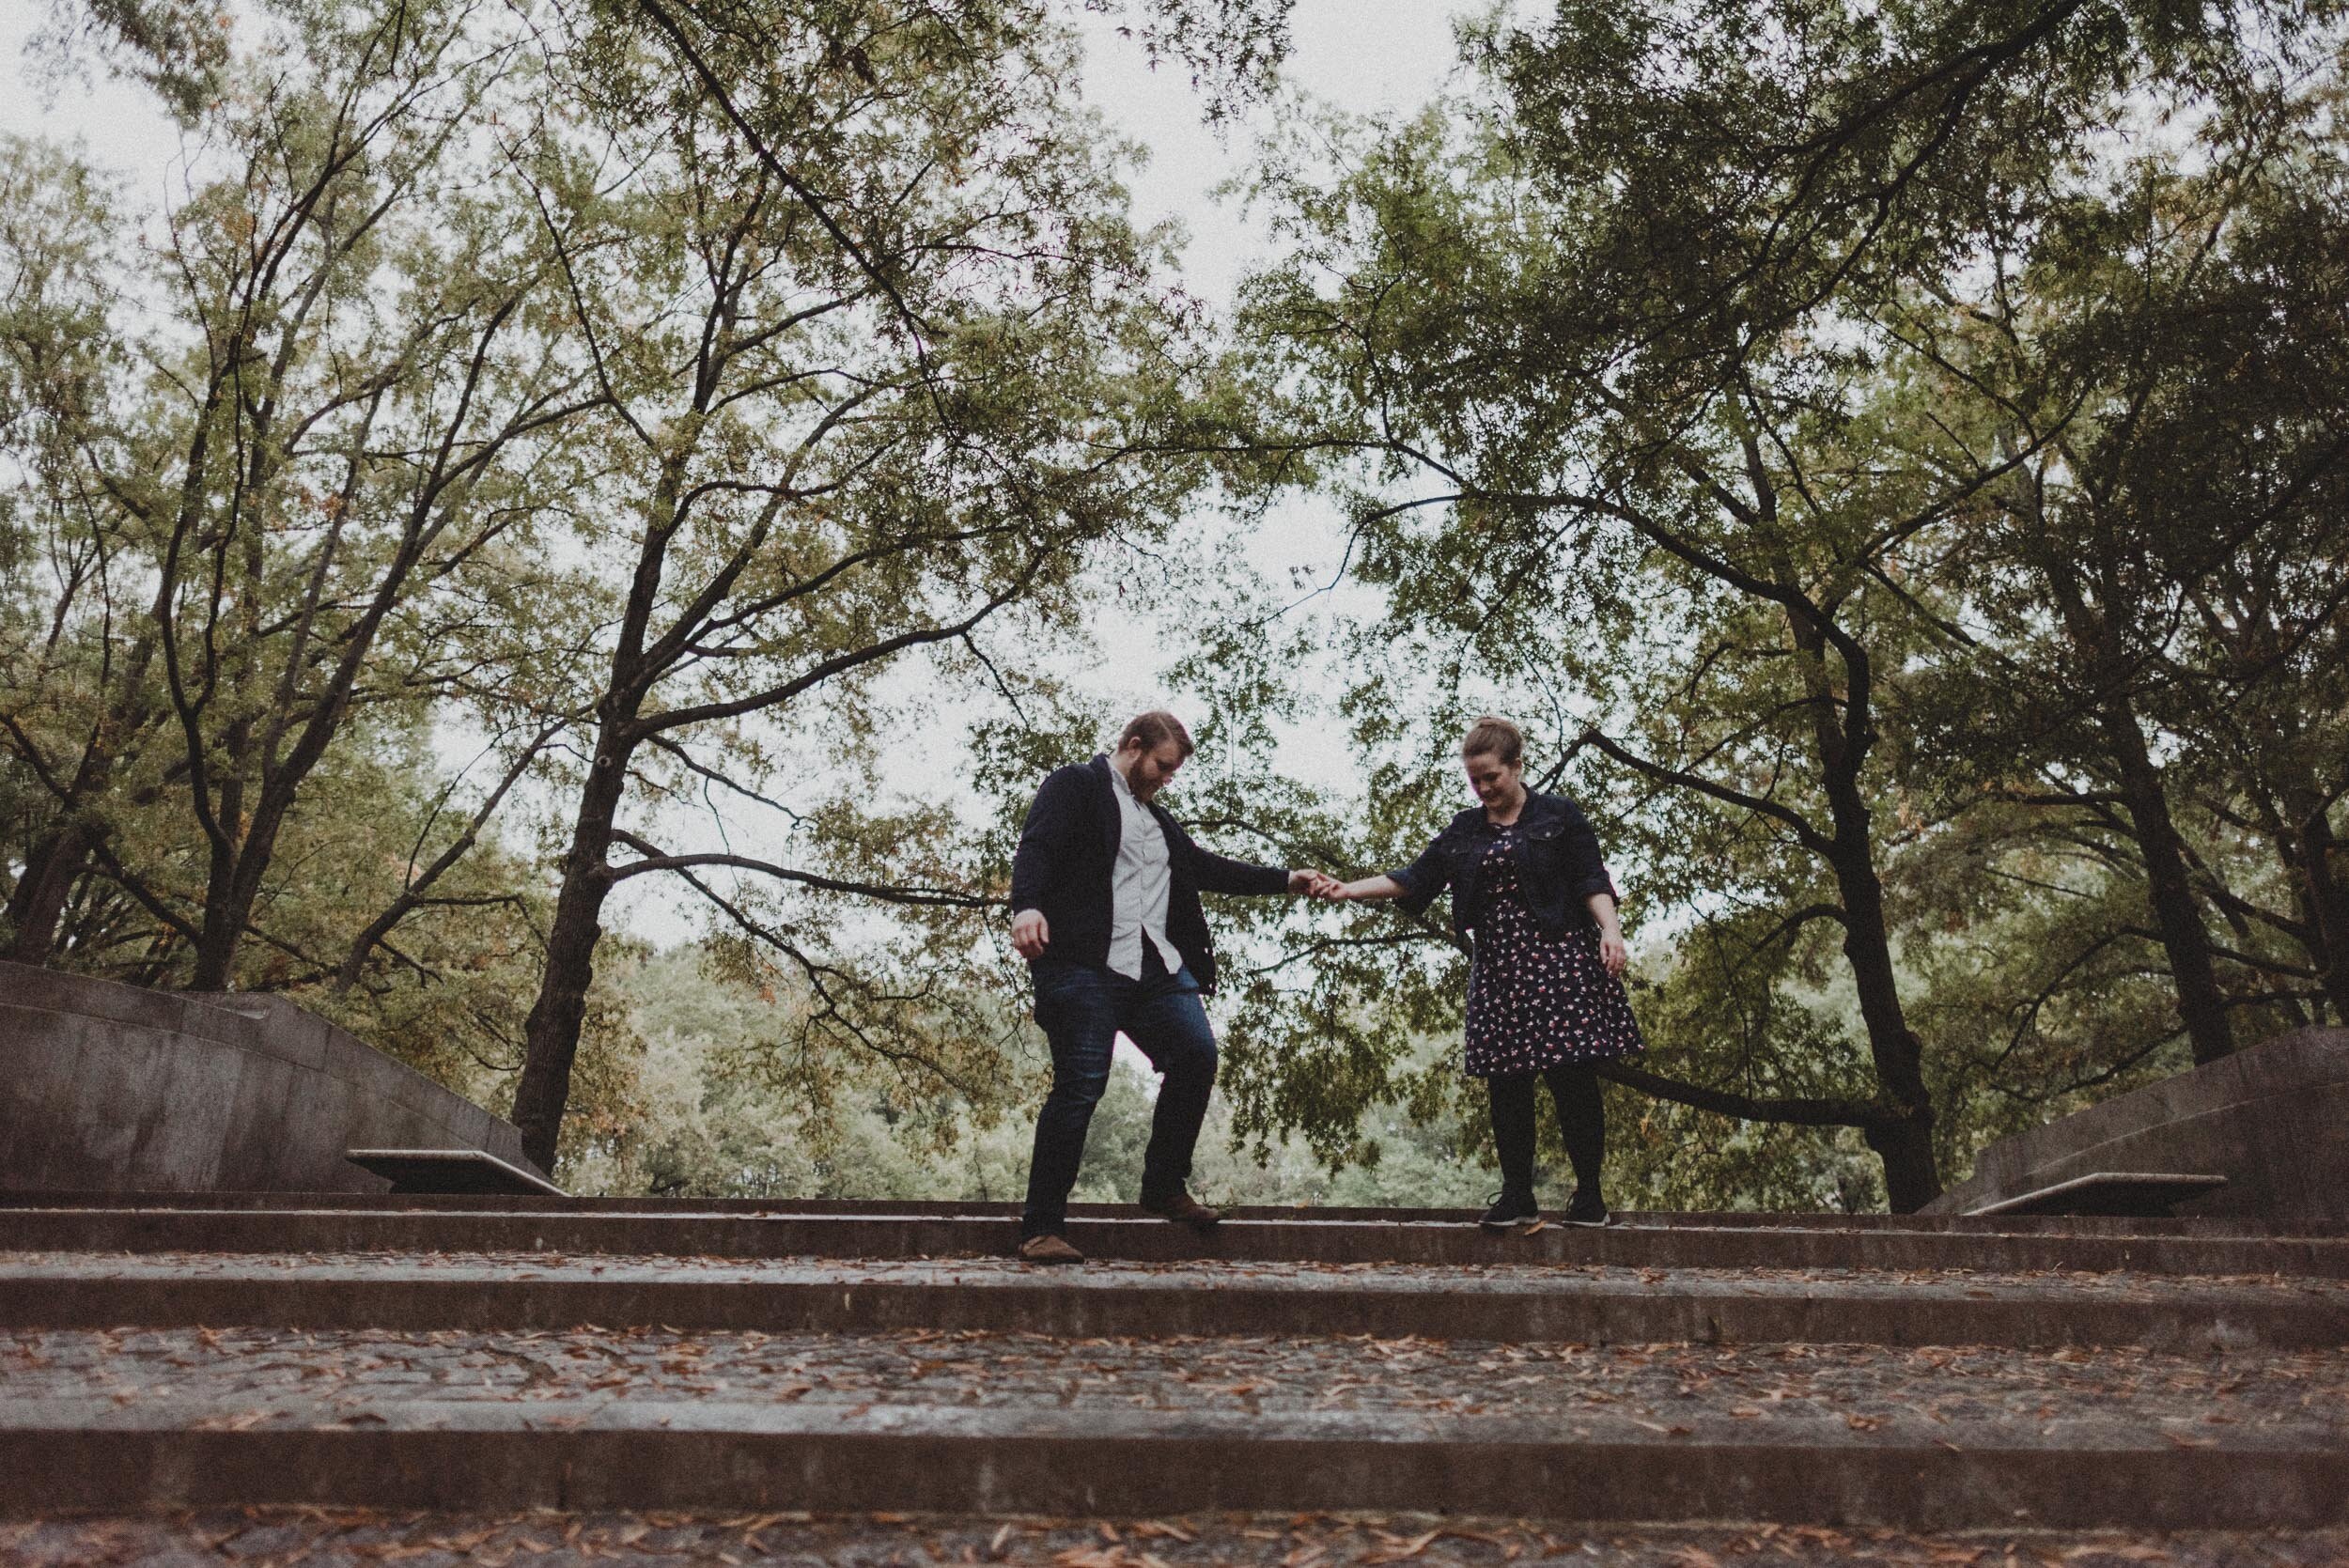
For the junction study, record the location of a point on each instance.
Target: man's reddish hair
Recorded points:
(1153, 729)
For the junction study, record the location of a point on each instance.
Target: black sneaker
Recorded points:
(1588, 1208)
(1511, 1212)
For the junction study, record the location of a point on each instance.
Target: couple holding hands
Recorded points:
(1105, 908)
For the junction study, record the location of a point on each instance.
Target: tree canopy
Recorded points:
(1892, 461)
(1778, 401)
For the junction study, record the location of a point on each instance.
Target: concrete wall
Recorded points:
(111, 1088)
(2272, 1119)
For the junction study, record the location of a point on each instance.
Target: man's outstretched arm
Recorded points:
(1214, 873)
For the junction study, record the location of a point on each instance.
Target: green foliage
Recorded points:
(712, 1119)
(1732, 391)
(1893, 461)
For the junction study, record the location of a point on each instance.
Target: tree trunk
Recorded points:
(38, 902)
(2200, 1003)
(1905, 1141)
(39, 898)
(228, 910)
(223, 925)
(1911, 1177)
(2325, 869)
(225, 917)
(552, 1034)
(215, 952)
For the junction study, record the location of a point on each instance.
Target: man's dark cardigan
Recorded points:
(1069, 853)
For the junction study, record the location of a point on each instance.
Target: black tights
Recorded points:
(1581, 1117)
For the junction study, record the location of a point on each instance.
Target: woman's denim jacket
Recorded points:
(1558, 865)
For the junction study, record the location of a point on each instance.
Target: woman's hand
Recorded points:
(1613, 954)
(1611, 951)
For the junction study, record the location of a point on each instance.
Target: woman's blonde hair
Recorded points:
(1496, 737)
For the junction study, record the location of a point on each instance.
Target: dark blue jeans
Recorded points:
(1082, 1008)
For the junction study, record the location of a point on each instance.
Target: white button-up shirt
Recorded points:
(1139, 886)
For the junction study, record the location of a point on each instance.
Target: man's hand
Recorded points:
(1030, 936)
(1314, 884)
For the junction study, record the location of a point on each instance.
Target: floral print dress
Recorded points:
(1536, 1001)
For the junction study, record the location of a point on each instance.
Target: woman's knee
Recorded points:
(1582, 1109)
(1573, 1079)
(1511, 1088)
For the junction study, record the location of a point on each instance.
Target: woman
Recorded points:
(1543, 1000)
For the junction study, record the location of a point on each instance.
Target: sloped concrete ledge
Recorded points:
(2270, 1119)
(108, 1088)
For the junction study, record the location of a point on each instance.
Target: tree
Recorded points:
(868, 349)
(58, 364)
(1616, 351)
(878, 354)
(352, 390)
(2166, 346)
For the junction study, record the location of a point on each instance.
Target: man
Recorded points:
(1105, 908)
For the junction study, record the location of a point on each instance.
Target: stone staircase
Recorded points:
(620, 1359)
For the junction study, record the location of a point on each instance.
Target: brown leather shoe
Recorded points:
(1049, 1248)
(1184, 1209)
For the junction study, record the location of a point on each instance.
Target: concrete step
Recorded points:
(1025, 1423)
(506, 1538)
(963, 1209)
(423, 1454)
(579, 1227)
(1591, 1304)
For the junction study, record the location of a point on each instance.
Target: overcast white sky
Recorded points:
(1362, 55)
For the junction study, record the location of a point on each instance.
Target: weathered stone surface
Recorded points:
(1968, 1394)
(942, 1208)
(1526, 1379)
(746, 1453)
(1515, 1303)
(2272, 1119)
(349, 1538)
(783, 1231)
(111, 1088)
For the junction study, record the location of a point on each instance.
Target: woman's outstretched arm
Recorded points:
(1370, 887)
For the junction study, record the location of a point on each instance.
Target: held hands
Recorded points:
(1316, 884)
(1031, 935)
